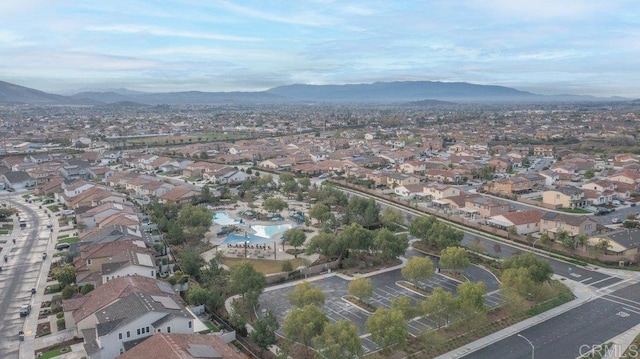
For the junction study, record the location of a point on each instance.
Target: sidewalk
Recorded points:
(28, 346)
(582, 292)
(622, 342)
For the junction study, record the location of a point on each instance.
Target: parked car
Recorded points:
(616, 220)
(25, 310)
(61, 246)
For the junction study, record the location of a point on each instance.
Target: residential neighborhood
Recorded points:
(112, 188)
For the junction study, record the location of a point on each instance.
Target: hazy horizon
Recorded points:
(545, 47)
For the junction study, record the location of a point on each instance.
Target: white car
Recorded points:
(616, 220)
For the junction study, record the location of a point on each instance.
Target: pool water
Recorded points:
(270, 231)
(223, 218)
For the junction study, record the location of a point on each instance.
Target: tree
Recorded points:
(454, 258)
(306, 294)
(588, 174)
(470, 297)
(441, 304)
(357, 238)
(274, 205)
(391, 218)
(65, 275)
(441, 235)
(295, 237)
(390, 245)
(286, 177)
(247, 281)
(419, 226)
(388, 328)
(405, 305)
(320, 212)
(303, 324)
(326, 244)
(191, 261)
(418, 268)
(361, 288)
(339, 340)
(539, 270)
(517, 280)
(264, 333)
(602, 245)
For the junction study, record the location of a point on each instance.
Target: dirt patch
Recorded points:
(43, 329)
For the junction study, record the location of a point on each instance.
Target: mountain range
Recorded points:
(400, 92)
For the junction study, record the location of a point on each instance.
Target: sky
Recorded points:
(589, 47)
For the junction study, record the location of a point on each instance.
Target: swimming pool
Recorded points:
(271, 230)
(224, 219)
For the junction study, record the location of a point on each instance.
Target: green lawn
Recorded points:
(69, 240)
(575, 210)
(56, 352)
(2, 232)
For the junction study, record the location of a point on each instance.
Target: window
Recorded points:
(128, 334)
(189, 324)
(121, 350)
(152, 274)
(88, 262)
(138, 331)
(147, 329)
(168, 329)
(159, 330)
(120, 336)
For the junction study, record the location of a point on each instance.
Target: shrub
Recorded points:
(61, 324)
(56, 308)
(68, 292)
(60, 315)
(86, 289)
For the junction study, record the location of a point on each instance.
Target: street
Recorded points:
(19, 274)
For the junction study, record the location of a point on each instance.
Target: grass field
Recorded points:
(54, 353)
(265, 266)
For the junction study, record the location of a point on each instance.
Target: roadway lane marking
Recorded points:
(635, 309)
(575, 275)
(602, 280)
(614, 284)
(624, 299)
(586, 279)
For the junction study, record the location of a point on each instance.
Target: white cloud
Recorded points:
(158, 31)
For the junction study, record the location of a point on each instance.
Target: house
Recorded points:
(77, 187)
(99, 172)
(509, 186)
(437, 191)
(124, 311)
(93, 216)
(410, 190)
(553, 222)
(17, 180)
(524, 222)
(624, 242)
(279, 164)
(179, 194)
(413, 167)
(550, 177)
(400, 179)
(484, 206)
(101, 262)
(564, 197)
(443, 176)
(183, 346)
(543, 150)
(626, 177)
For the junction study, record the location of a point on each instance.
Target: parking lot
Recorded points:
(385, 289)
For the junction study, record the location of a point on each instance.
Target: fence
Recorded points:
(552, 246)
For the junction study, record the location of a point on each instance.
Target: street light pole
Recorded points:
(533, 348)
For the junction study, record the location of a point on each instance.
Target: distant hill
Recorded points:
(10, 93)
(428, 103)
(404, 91)
(182, 98)
(415, 93)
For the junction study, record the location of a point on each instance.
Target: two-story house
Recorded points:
(565, 197)
(553, 222)
(124, 311)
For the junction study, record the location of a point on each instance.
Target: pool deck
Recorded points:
(269, 251)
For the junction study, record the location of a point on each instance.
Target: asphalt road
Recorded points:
(574, 332)
(19, 274)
